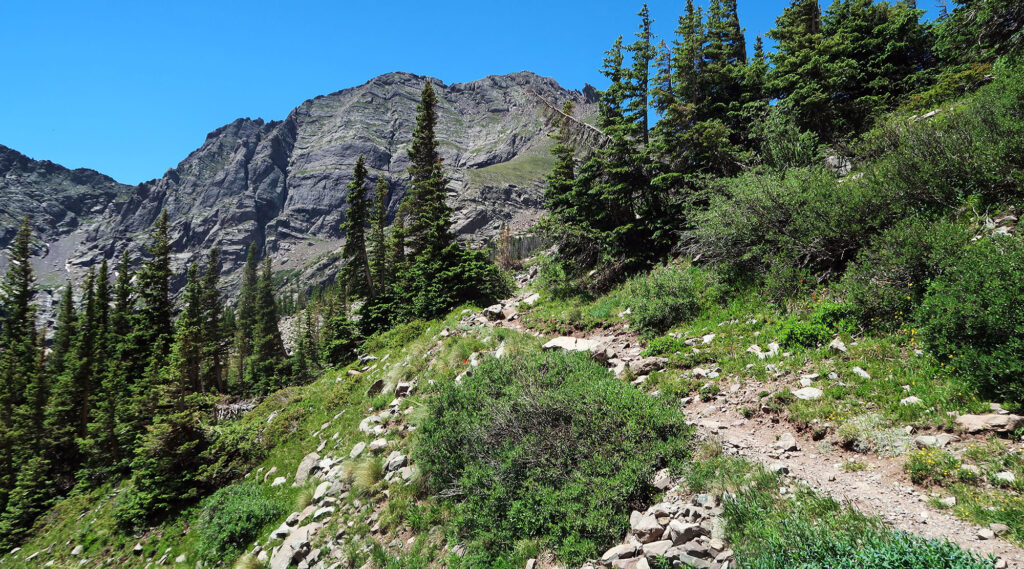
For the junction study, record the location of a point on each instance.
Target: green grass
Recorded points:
(521, 170)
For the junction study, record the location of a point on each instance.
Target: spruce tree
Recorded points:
(429, 214)
(64, 331)
(154, 287)
(187, 350)
(378, 240)
(245, 315)
(268, 348)
(214, 332)
(798, 73)
(18, 354)
(354, 227)
(31, 496)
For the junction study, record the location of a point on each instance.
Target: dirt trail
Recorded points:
(882, 489)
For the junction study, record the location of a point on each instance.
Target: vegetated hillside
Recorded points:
(282, 184)
(786, 334)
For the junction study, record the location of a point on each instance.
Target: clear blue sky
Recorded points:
(129, 88)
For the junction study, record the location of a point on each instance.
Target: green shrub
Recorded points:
(973, 317)
(546, 446)
(812, 531)
(888, 279)
(232, 518)
(669, 295)
(807, 220)
(827, 320)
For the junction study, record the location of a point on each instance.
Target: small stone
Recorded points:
(77, 550)
(278, 481)
(912, 400)
(707, 339)
(858, 371)
(181, 558)
(948, 501)
(986, 534)
(531, 564)
(838, 345)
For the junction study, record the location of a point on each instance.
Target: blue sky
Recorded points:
(129, 88)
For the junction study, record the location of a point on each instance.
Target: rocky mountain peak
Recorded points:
(282, 184)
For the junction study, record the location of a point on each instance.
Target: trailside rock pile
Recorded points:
(688, 531)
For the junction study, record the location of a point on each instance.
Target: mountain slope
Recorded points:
(282, 184)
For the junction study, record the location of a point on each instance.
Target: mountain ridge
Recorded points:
(281, 183)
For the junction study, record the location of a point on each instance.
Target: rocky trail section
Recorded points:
(882, 490)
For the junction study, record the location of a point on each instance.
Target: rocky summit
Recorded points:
(282, 184)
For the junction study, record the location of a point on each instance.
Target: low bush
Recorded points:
(669, 295)
(931, 466)
(814, 531)
(232, 518)
(827, 320)
(546, 446)
(889, 278)
(973, 317)
(809, 221)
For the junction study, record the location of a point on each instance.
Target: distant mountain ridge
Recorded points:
(283, 183)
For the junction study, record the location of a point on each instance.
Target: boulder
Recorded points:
(808, 393)
(494, 312)
(357, 450)
(858, 371)
(680, 533)
(657, 548)
(624, 551)
(395, 461)
(305, 468)
(990, 422)
(570, 344)
(321, 491)
(375, 388)
(295, 547)
(647, 529)
(838, 346)
(644, 366)
(787, 442)
(530, 300)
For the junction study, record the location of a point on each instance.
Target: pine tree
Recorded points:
(214, 333)
(354, 227)
(429, 214)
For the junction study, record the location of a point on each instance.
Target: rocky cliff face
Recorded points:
(283, 183)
